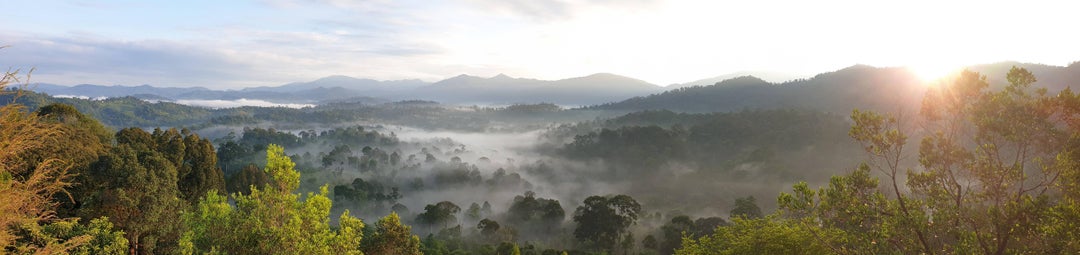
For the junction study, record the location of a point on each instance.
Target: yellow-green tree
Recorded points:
(270, 220)
(392, 238)
(32, 174)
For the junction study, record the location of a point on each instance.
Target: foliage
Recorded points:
(392, 238)
(535, 213)
(769, 235)
(746, 207)
(996, 175)
(29, 181)
(271, 220)
(602, 220)
(441, 214)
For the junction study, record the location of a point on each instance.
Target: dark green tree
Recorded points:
(603, 220)
(441, 214)
(746, 207)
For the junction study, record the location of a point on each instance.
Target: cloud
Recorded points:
(72, 59)
(553, 10)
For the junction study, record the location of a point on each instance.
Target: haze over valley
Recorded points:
(539, 128)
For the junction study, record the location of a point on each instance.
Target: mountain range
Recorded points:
(462, 89)
(859, 86)
(889, 89)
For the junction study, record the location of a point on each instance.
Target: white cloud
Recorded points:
(662, 42)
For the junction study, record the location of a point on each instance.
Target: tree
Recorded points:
(80, 142)
(602, 220)
(29, 182)
(473, 213)
(271, 220)
(488, 228)
(649, 242)
(673, 233)
(392, 238)
(135, 186)
(746, 207)
(755, 236)
(441, 214)
(996, 174)
(198, 170)
(508, 249)
(248, 177)
(528, 210)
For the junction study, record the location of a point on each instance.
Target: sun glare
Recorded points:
(930, 73)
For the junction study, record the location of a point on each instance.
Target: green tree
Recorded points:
(746, 207)
(602, 220)
(768, 235)
(198, 170)
(271, 220)
(508, 249)
(673, 233)
(392, 238)
(135, 186)
(250, 175)
(31, 179)
(535, 213)
(488, 228)
(103, 239)
(473, 213)
(441, 214)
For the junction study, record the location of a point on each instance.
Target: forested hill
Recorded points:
(853, 87)
(859, 86)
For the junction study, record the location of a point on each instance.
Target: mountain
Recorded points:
(503, 89)
(775, 77)
(886, 89)
(1054, 78)
(367, 86)
(856, 86)
(95, 91)
(332, 88)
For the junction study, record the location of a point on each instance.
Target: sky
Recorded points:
(238, 43)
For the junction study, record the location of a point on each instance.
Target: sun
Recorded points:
(930, 73)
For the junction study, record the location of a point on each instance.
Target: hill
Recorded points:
(857, 86)
(503, 89)
(860, 86)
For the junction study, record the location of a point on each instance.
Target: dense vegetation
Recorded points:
(995, 172)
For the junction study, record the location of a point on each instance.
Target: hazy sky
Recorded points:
(230, 44)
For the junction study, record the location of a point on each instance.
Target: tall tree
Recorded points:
(746, 207)
(441, 214)
(271, 220)
(136, 187)
(602, 220)
(392, 238)
(198, 171)
(29, 181)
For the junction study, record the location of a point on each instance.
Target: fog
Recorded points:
(219, 104)
(695, 165)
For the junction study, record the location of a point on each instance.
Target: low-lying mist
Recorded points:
(695, 165)
(220, 104)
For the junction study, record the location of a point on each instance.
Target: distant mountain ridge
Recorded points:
(856, 86)
(888, 89)
(774, 77)
(501, 89)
